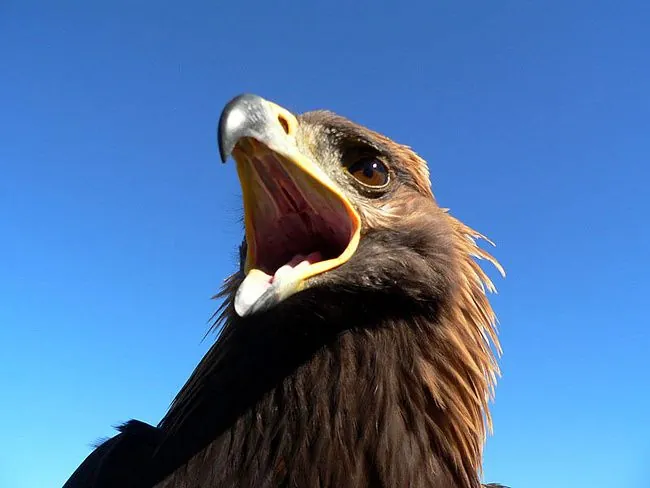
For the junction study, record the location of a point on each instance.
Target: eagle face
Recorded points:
(330, 206)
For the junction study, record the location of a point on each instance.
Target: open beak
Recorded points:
(298, 223)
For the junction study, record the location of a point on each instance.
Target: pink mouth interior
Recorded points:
(296, 220)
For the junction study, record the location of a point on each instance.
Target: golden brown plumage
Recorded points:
(375, 371)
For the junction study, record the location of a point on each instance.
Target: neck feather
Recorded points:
(401, 401)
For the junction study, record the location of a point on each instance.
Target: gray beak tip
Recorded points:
(243, 109)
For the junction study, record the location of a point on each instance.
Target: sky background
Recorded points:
(118, 222)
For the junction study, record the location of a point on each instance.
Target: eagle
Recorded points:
(356, 343)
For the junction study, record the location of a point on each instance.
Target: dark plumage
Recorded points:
(377, 373)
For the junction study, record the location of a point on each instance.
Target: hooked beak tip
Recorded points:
(244, 115)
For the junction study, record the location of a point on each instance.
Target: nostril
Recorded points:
(284, 123)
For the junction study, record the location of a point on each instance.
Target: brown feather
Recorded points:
(380, 375)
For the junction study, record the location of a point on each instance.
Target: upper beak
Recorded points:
(261, 136)
(251, 116)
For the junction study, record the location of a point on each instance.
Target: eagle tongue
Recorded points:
(297, 262)
(259, 284)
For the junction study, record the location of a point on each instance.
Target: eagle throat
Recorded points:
(380, 388)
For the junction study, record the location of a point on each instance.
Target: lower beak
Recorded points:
(298, 222)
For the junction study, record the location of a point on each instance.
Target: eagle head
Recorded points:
(333, 206)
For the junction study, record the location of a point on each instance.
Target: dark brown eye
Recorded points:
(370, 171)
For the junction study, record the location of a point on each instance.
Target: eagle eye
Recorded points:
(370, 171)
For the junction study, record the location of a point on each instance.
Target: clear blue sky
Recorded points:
(118, 222)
